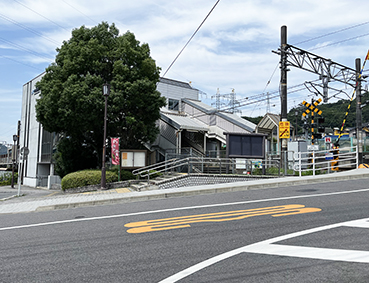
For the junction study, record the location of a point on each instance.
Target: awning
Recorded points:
(183, 122)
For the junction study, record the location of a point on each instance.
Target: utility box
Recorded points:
(294, 147)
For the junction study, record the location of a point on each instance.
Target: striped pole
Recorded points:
(352, 98)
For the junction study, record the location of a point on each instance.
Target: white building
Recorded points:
(185, 123)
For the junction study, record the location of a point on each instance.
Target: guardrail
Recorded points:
(326, 161)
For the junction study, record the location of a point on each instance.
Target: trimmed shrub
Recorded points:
(6, 179)
(85, 178)
(126, 175)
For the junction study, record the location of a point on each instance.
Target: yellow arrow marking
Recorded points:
(185, 221)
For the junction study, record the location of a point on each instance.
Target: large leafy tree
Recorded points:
(72, 103)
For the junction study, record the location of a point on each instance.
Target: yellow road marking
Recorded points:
(119, 191)
(185, 221)
(122, 190)
(49, 195)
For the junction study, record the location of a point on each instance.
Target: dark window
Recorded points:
(173, 104)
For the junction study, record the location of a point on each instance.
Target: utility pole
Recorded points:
(284, 83)
(359, 127)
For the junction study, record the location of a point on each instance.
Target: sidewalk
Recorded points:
(32, 199)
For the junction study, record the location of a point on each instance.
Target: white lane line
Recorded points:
(179, 209)
(310, 252)
(267, 247)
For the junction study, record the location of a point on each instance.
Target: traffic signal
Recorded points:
(321, 120)
(317, 136)
(321, 129)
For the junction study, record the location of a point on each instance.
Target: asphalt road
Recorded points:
(245, 236)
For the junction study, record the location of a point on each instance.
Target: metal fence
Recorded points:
(325, 161)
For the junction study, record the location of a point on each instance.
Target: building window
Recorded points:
(173, 104)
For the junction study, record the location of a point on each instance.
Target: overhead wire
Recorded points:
(331, 33)
(79, 11)
(28, 29)
(175, 59)
(42, 16)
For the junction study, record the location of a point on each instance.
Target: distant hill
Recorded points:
(333, 113)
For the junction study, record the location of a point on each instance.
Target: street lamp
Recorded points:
(106, 92)
(14, 157)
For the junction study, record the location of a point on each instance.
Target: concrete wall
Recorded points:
(31, 137)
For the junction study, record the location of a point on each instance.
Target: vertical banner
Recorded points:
(115, 151)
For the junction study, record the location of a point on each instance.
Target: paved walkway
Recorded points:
(32, 199)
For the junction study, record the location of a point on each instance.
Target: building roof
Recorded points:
(183, 122)
(268, 123)
(233, 118)
(175, 83)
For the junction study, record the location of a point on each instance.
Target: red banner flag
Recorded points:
(115, 151)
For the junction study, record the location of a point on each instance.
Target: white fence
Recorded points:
(327, 161)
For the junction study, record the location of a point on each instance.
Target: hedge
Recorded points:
(85, 178)
(6, 179)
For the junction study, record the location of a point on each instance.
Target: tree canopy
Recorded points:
(72, 103)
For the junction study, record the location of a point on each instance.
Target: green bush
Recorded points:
(85, 178)
(124, 174)
(6, 179)
(153, 174)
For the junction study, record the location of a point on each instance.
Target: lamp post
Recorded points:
(106, 92)
(14, 157)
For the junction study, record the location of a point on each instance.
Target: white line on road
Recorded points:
(177, 209)
(267, 247)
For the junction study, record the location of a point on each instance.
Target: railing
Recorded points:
(209, 165)
(6, 159)
(326, 161)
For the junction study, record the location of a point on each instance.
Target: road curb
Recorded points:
(213, 189)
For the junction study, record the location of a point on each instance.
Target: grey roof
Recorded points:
(269, 121)
(233, 118)
(182, 122)
(175, 83)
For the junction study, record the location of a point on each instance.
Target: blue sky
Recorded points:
(232, 50)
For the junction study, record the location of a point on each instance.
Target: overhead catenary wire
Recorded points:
(331, 33)
(175, 59)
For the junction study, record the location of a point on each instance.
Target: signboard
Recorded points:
(313, 147)
(328, 139)
(329, 156)
(242, 145)
(133, 158)
(284, 130)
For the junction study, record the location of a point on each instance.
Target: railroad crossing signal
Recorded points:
(312, 107)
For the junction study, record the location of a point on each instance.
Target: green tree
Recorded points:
(72, 103)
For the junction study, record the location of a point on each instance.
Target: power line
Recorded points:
(28, 29)
(24, 48)
(338, 42)
(51, 21)
(79, 11)
(175, 59)
(332, 33)
(6, 57)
